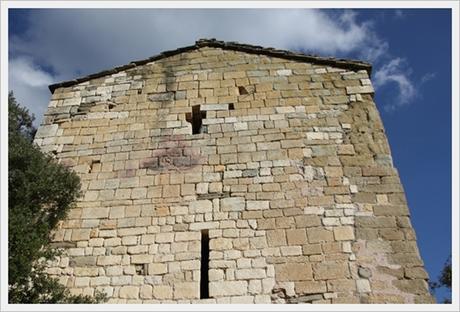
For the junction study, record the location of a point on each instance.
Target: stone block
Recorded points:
(391, 210)
(312, 249)
(363, 286)
(171, 191)
(296, 237)
(157, 268)
(284, 72)
(360, 89)
(186, 290)
(288, 272)
(318, 234)
(242, 300)
(86, 271)
(250, 274)
(201, 206)
(139, 249)
(344, 233)
(276, 238)
(80, 234)
(187, 236)
(417, 286)
(220, 244)
(108, 260)
(233, 204)
(310, 287)
(46, 131)
(228, 288)
(416, 272)
(81, 281)
(162, 292)
(82, 261)
(291, 251)
(129, 292)
(139, 259)
(305, 221)
(164, 237)
(146, 292)
(257, 204)
(364, 272)
(331, 270)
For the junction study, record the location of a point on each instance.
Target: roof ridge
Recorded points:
(229, 45)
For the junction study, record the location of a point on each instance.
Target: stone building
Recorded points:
(230, 173)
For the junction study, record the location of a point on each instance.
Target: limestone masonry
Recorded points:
(230, 173)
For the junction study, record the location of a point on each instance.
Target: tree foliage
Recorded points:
(444, 279)
(40, 193)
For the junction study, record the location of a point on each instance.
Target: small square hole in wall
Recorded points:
(196, 119)
(242, 90)
(231, 106)
(141, 269)
(95, 164)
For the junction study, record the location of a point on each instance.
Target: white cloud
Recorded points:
(85, 40)
(395, 72)
(25, 71)
(30, 85)
(78, 42)
(427, 77)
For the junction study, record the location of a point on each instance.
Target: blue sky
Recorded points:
(410, 50)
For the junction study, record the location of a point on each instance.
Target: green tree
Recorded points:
(444, 279)
(40, 193)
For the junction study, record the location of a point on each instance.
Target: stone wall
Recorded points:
(290, 176)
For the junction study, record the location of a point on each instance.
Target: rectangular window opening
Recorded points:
(204, 281)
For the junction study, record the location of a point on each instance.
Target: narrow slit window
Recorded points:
(204, 281)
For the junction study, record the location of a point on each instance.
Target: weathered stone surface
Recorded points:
(258, 205)
(296, 237)
(344, 233)
(157, 268)
(331, 270)
(360, 89)
(318, 234)
(416, 272)
(364, 272)
(233, 204)
(276, 161)
(417, 286)
(293, 272)
(80, 234)
(129, 292)
(310, 287)
(276, 238)
(162, 292)
(46, 131)
(186, 290)
(248, 274)
(363, 286)
(227, 288)
(82, 261)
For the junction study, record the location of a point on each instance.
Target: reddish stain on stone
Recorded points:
(173, 154)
